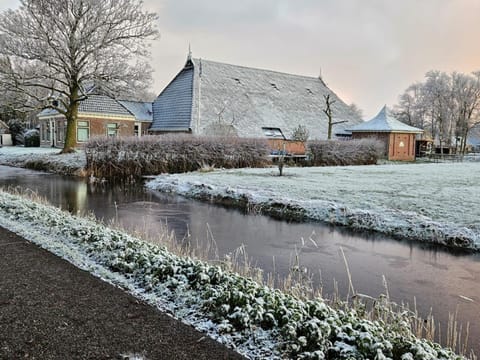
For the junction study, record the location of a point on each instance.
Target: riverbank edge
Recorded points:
(263, 322)
(73, 164)
(398, 224)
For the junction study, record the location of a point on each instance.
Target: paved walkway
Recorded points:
(50, 309)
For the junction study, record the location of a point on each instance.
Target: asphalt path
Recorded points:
(49, 309)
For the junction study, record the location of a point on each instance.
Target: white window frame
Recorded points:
(83, 127)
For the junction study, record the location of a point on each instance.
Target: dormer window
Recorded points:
(273, 133)
(273, 85)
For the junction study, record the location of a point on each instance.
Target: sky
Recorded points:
(367, 51)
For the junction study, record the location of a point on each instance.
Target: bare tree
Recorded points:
(446, 105)
(356, 110)
(329, 112)
(56, 49)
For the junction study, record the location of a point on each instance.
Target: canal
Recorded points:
(436, 279)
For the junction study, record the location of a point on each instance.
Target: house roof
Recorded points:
(95, 104)
(247, 99)
(141, 110)
(384, 122)
(473, 137)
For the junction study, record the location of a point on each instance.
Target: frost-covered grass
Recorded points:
(44, 159)
(258, 321)
(437, 203)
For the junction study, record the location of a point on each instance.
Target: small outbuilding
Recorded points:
(398, 138)
(5, 137)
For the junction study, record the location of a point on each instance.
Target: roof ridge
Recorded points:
(258, 69)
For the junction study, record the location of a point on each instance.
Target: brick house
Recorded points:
(98, 115)
(398, 138)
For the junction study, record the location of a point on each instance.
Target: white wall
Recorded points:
(6, 140)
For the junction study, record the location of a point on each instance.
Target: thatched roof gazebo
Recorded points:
(398, 138)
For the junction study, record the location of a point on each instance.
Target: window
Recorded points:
(112, 129)
(136, 130)
(273, 132)
(83, 131)
(45, 131)
(61, 131)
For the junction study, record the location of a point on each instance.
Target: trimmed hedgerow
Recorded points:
(133, 157)
(352, 152)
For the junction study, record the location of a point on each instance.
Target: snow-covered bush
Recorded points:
(353, 152)
(258, 321)
(32, 138)
(132, 157)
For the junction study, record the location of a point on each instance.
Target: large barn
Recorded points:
(213, 98)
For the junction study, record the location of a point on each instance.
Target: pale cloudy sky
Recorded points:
(368, 51)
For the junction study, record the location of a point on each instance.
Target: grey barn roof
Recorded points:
(206, 94)
(384, 122)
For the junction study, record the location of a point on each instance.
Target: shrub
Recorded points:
(353, 152)
(133, 157)
(31, 138)
(16, 128)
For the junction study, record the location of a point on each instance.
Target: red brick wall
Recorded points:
(145, 127)
(402, 147)
(397, 146)
(291, 147)
(98, 127)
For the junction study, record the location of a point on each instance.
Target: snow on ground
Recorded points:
(46, 159)
(435, 202)
(257, 321)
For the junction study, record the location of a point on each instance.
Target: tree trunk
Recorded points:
(72, 114)
(329, 135)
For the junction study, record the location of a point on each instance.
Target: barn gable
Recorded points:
(172, 110)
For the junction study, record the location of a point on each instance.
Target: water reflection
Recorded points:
(436, 278)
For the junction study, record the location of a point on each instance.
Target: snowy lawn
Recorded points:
(256, 320)
(46, 159)
(430, 202)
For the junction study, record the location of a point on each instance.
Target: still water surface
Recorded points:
(440, 279)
